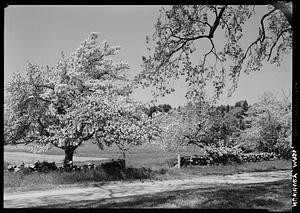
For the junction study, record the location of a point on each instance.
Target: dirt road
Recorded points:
(98, 191)
(17, 157)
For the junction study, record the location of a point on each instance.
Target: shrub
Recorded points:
(102, 174)
(285, 153)
(45, 166)
(119, 163)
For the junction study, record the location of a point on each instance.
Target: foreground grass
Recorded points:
(274, 196)
(35, 181)
(20, 181)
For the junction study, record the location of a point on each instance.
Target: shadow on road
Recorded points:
(272, 196)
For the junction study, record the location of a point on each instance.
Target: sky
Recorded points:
(39, 33)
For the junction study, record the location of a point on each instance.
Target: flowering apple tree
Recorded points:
(84, 97)
(195, 124)
(269, 124)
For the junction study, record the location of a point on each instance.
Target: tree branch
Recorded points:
(210, 35)
(75, 147)
(28, 140)
(46, 86)
(274, 44)
(204, 23)
(38, 97)
(89, 136)
(261, 39)
(60, 147)
(228, 29)
(43, 130)
(191, 141)
(285, 10)
(248, 49)
(217, 21)
(262, 24)
(78, 133)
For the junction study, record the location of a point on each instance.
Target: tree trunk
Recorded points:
(68, 157)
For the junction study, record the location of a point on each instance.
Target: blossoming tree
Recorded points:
(195, 124)
(269, 125)
(86, 96)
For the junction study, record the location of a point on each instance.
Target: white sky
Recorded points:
(40, 33)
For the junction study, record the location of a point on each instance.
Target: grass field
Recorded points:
(274, 196)
(148, 155)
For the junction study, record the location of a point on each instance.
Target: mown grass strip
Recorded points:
(30, 181)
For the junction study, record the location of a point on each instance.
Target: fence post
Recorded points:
(124, 159)
(178, 159)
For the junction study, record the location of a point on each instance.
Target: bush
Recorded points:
(119, 163)
(45, 166)
(285, 153)
(99, 174)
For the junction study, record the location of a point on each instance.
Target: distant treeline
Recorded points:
(243, 105)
